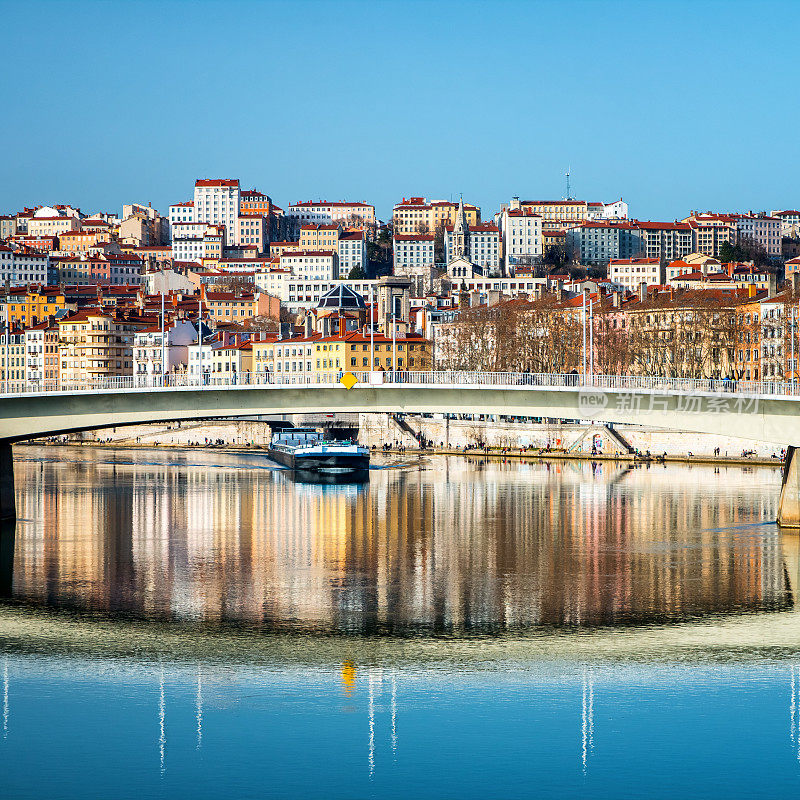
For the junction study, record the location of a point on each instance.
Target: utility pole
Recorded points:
(394, 336)
(7, 348)
(591, 339)
(163, 343)
(583, 319)
(200, 336)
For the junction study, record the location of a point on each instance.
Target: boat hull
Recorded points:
(324, 464)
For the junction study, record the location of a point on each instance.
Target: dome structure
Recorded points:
(341, 297)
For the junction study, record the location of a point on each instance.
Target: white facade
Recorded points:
(615, 210)
(6, 264)
(790, 222)
(522, 237)
(311, 264)
(147, 349)
(217, 202)
(181, 212)
(188, 241)
(352, 252)
(327, 213)
(630, 272)
(483, 247)
(412, 252)
(764, 231)
(296, 294)
(199, 358)
(19, 268)
(35, 353)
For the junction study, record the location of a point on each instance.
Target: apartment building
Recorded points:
(665, 240)
(23, 266)
(27, 306)
(197, 241)
(352, 251)
(314, 358)
(416, 215)
(761, 230)
(216, 201)
(181, 212)
(253, 202)
(557, 215)
(43, 224)
(231, 361)
(12, 355)
(413, 252)
(631, 272)
(710, 231)
(98, 343)
(319, 237)
(41, 352)
(253, 230)
(8, 226)
(360, 216)
(310, 264)
(789, 219)
(521, 232)
(77, 242)
(240, 306)
(112, 269)
(148, 349)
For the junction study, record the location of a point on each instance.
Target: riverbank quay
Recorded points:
(584, 439)
(491, 454)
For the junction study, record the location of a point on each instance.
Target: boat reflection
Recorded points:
(354, 478)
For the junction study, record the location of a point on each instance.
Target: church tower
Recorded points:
(461, 234)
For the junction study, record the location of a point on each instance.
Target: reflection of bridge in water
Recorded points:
(228, 542)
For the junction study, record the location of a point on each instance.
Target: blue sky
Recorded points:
(673, 106)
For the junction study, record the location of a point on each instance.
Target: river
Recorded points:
(197, 624)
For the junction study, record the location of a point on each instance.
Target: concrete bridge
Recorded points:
(761, 411)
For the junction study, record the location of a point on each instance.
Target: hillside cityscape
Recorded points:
(306, 292)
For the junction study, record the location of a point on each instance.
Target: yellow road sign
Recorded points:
(348, 380)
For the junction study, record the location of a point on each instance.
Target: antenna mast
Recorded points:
(568, 197)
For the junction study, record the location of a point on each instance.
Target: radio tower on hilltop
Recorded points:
(568, 197)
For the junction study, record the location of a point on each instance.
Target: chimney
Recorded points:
(642, 291)
(795, 282)
(616, 299)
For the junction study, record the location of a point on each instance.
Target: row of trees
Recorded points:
(694, 337)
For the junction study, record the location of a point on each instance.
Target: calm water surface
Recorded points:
(196, 624)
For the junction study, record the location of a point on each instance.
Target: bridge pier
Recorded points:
(7, 536)
(8, 507)
(789, 505)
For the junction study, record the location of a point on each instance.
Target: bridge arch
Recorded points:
(763, 417)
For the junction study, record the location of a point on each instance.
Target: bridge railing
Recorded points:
(214, 381)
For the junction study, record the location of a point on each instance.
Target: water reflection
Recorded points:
(447, 546)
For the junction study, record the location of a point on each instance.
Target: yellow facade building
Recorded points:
(416, 215)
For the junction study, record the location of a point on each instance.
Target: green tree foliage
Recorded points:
(356, 274)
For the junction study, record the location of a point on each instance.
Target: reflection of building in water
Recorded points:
(460, 546)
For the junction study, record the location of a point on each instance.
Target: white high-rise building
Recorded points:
(521, 230)
(216, 200)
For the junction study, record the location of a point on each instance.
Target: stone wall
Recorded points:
(379, 428)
